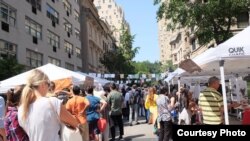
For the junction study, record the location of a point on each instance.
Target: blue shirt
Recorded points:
(94, 105)
(2, 112)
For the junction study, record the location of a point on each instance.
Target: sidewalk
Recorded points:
(144, 132)
(140, 132)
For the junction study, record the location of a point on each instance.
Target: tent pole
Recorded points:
(179, 84)
(224, 91)
(237, 88)
(168, 88)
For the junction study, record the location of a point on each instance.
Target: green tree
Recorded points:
(115, 62)
(168, 66)
(146, 67)
(119, 60)
(9, 67)
(126, 44)
(141, 67)
(212, 18)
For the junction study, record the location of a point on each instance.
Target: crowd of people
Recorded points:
(35, 111)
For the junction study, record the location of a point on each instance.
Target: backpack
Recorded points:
(132, 98)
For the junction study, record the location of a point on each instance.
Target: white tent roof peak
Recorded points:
(237, 46)
(54, 73)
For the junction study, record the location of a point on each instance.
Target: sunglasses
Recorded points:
(48, 83)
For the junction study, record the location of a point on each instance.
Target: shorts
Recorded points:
(93, 128)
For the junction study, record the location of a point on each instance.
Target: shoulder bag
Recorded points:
(67, 133)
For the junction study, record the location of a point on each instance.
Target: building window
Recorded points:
(52, 14)
(67, 7)
(77, 32)
(54, 61)
(90, 31)
(33, 28)
(7, 49)
(33, 59)
(243, 20)
(78, 52)
(67, 26)
(53, 39)
(69, 66)
(79, 68)
(68, 47)
(103, 1)
(98, 7)
(7, 13)
(175, 57)
(35, 3)
(77, 1)
(109, 6)
(76, 14)
(193, 43)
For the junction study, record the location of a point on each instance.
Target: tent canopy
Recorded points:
(96, 79)
(236, 47)
(171, 75)
(54, 73)
(235, 52)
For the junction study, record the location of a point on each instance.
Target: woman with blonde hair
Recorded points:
(150, 104)
(40, 116)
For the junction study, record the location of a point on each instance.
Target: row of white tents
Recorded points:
(229, 58)
(54, 73)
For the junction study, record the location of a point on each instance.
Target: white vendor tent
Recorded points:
(199, 60)
(233, 56)
(54, 73)
(230, 57)
(171, 75)
(97, 80)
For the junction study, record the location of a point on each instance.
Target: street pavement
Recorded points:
(144, 131)
(140, 132)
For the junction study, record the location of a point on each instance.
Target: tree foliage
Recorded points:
(213, 18)
(168, 66)
(126, 45)
(9, 67)
(115, 62)
(119, 60)
(146, 67)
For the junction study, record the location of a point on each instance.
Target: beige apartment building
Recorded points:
(114, 15)
(164, 42)
(96, 38)
(242, 22)
(182, 44)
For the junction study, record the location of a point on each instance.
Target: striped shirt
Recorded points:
(210, 102)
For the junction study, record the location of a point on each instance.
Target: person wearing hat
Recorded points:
(77, 106)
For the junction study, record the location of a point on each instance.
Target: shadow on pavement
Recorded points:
(130, 138)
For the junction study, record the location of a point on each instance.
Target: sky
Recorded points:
(141, 16)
